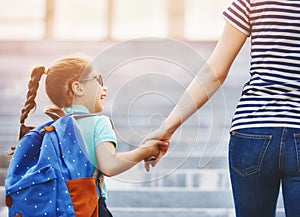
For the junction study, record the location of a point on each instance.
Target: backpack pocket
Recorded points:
(34, 194)
(84, 196)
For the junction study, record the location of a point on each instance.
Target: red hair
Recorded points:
(58, 85)
(60, 77)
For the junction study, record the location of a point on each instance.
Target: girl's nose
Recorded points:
(104, 88)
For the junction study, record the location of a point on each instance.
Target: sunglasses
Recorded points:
(97, 77)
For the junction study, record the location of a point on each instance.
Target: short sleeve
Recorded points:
(238, 15)
(104, 131)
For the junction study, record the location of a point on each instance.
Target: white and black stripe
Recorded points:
(271, 98)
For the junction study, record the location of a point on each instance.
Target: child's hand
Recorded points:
(161, 134)
(153, 148)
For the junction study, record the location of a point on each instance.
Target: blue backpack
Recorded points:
(50, 174)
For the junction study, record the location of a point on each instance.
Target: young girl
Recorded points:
(74, 87)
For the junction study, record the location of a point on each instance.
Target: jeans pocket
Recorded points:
(246, 152)
(297, 147)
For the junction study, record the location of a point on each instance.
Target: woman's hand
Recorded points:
(154, 148)
(160, 134)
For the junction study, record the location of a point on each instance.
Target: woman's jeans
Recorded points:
(260, 160)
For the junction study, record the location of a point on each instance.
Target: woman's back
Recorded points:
(271, 96)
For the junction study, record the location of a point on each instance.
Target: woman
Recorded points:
(265, 134)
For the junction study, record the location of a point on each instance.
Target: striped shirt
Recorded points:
(271, 97)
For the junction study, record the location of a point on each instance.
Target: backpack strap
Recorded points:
(98, 176)
(99, 180)
(84, 115)
(79, 115)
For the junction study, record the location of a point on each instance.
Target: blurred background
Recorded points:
(101, 20)
(192, 180)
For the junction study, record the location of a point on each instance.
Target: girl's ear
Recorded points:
(77, 88)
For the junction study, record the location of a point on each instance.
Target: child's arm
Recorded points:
(111, 163)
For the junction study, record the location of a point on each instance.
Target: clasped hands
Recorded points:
(161, 139)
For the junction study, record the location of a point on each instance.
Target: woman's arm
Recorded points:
(206, 82)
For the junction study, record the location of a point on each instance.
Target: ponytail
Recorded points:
(30, 103)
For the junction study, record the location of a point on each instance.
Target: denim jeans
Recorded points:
(103, 211)
(260, 160)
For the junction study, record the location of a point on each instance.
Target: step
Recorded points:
(177, 212)
(172, 198)
(170, 212)
(200, 179)
(3, 211)
(168, 198)
(193, 161)
(166, 202)
(2, 199)
(178, 171)
(162, 212)
(190, 136)
(4, 160)
(3, 172)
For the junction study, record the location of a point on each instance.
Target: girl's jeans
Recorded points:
(260, 160)
(102, 208)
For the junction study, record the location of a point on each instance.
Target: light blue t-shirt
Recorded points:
(96, 130)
